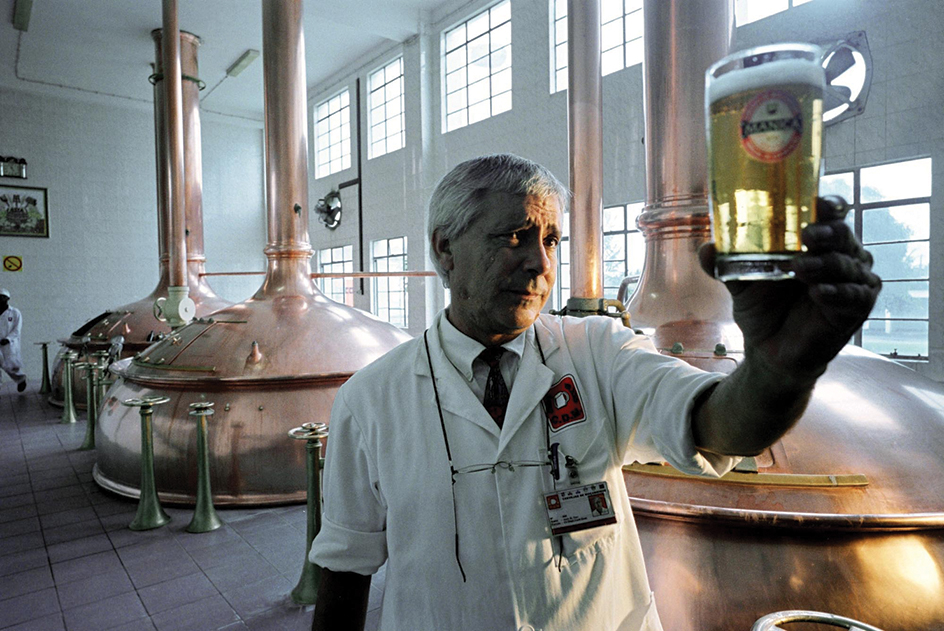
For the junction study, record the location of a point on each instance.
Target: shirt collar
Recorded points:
(461, 350)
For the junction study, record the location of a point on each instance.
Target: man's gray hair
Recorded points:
(457, 200)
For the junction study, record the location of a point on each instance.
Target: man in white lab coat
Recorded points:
(508, 420)
(11, 323)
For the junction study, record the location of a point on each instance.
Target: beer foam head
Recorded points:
(778, 72)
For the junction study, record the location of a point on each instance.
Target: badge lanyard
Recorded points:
(552, 452)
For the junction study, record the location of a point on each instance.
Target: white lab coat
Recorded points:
(11, 323)
(388, 497)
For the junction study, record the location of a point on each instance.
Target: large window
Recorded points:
(333, 135)
(386, 109)
(336, 260)
(747, 11)
(620, 38)
(477, 68)
(624, 250)
(891, 212)
(389, 299)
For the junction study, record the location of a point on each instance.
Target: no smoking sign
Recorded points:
(12, 263)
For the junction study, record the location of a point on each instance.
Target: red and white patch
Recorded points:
(562, 404)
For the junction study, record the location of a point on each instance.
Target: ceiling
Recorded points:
(105, 46)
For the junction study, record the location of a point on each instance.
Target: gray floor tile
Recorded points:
(177, 592)
(29, 606)
(22, 561)
(210, 613)
(66, 517)
(78, 548)
(86, 566)
(105, 614)
(254, 598)
(71, 532)
(245, 570)
(146, 572)
(94, 588)
(52, 622)
(20, 526)
(27, 582)
(294, 618)
(17, 513)
(62, 504)
(21, 543)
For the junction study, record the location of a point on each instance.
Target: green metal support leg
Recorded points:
(306, 592)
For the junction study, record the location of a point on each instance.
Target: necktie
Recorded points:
(496, 392)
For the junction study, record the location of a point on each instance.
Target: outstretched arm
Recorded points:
(792, 329)
(342, 602)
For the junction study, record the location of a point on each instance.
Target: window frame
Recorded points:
(325, 169)
(490, 100)
(555, 71)
(377, 282)
(858, 208)
(372, 124)
(346, 262)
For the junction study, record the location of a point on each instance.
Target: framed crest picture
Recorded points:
(24, 212)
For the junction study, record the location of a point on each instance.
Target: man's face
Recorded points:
(502, 268)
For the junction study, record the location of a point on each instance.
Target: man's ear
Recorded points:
(442, 248)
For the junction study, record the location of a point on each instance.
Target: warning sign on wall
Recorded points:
(12, 263)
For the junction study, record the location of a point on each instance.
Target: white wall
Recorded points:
(95, 157)
(903, 119)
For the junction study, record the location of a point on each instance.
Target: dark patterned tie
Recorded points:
(496, 392)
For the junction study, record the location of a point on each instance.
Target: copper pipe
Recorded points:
(286, 148)
(585, 136)
(174, 143)
(681, 40)
(332, 274)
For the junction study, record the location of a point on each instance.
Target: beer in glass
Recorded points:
(764, 113)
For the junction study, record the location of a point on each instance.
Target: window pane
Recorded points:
(501, 103)
(900, 180)
(899, 223)
(500, 13)
(477, 25)
(634, 52)
(903, 338)
(894, 261)
(455, 37)
(611, 35)
(610, 10)
(907, 299)
(611, 61)
(636, 254)
(613, 273)
(837, 184)
(614, 247)
(613, 218)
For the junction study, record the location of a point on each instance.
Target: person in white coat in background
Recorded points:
(508, 420)
(11, 324)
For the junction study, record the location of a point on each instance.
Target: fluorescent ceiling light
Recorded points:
(244, 60)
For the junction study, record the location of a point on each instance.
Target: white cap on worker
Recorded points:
(4, 292)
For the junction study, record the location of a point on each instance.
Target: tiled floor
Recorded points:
(69, 561)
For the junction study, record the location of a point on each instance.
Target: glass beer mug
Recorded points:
(764, 117)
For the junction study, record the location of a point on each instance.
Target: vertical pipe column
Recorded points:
(585, 135)
(286, 148)
(178, 308)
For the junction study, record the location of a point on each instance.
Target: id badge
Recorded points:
(579, 508)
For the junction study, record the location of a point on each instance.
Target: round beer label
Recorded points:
(771, 125)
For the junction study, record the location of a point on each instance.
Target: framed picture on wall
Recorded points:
(24, 212)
